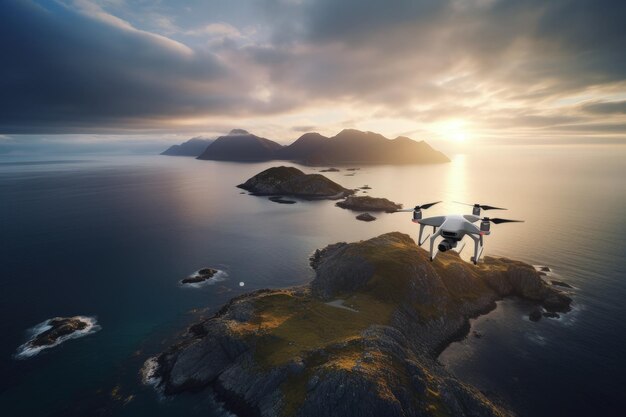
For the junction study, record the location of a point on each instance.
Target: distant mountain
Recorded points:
(193, 147)
(240, 145)
(303, 147)
(350, 146)
(355, 146)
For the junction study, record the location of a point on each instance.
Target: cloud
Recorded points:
(498, 64)
(68, 69)
(606, 107)
(304, 128)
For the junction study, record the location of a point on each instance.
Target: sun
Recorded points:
(458, 136)
(453, 130)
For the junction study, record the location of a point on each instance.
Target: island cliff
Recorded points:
(361, 340)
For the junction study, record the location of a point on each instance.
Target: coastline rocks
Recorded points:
(560, 283)
(290, 181)
(330, 170)
(557, 303)
(291, 352)
(55, 331)
(366, 217)
(535, 315)
(367, 203)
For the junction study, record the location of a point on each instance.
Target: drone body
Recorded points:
(453, 228)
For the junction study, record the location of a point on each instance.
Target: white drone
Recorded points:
(454, 228)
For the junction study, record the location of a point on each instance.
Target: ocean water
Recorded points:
(110, 237)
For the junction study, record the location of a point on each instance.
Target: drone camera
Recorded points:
(446, 245)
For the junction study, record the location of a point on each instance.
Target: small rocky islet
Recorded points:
(283, 181)
(54, 331)
(60, 326)
(366, 217)
(281, 200)
(294, 352)
(291, 182)
(367, 203)
(202, 275)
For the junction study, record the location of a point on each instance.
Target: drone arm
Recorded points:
(433, 221)
(478, 246)
(433, 251)
(420, 240)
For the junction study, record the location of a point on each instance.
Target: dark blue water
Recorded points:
(111, 237)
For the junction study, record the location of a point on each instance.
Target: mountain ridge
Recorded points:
(192, 147)
(350, 146)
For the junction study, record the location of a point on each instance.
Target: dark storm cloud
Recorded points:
(63, 69)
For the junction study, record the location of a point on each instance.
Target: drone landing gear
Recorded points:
(433, 251)
(419, 239)
(478, 248)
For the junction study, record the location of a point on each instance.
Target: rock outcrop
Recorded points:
(360, 340)
(365, 217)
(290, 181)
(367, 203)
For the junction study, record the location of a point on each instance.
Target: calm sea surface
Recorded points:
(110, 237)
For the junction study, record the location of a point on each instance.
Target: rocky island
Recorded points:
(55, 331)
(367, 203)
(290, 181)
(202, 275)
(360, 340)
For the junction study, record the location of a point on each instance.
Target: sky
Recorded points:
(454, 71)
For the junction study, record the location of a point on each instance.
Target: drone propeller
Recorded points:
(419, 207)
(496, 220)
(482, 206)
